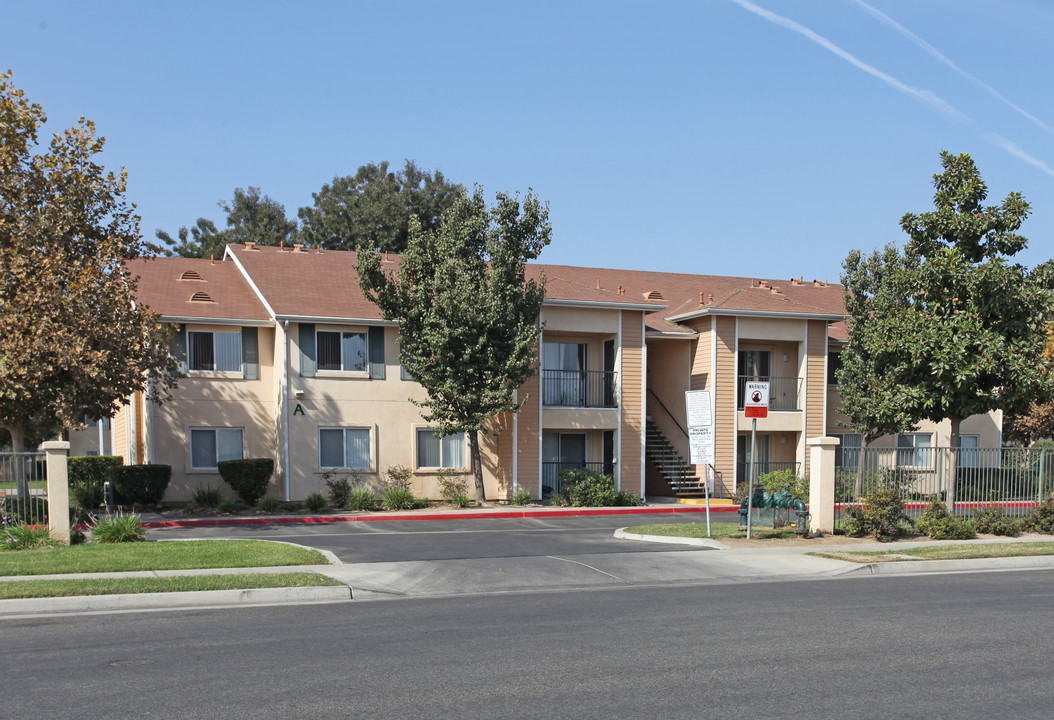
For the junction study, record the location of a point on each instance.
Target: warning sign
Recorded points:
(756, 402)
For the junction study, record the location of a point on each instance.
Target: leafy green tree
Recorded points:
(72, 341)
(1037, 423)
(372, 209)
(949, 328)
(251, 217)
(468, 318)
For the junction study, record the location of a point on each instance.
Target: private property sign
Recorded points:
(700, 426)
(756, 402)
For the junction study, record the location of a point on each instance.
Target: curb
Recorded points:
(174, 600)
(698, 542)
(917, 567)
(484, 515)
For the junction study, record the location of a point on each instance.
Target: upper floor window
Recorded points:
(215, 351)
(834, 364)
(209, 446)
(345, 351)
(915, 450)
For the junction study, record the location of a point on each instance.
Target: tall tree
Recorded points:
(949, 328)
(468, 318)
(373, 208)
(72, 341)
(1037, 423)
(251, 217)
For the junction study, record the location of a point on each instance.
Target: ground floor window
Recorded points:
(209, 446)
(440, 452)
(915, 450)
(847, 453)
(344, 448)
(968, 452)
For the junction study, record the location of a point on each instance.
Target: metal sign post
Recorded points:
(755, 405)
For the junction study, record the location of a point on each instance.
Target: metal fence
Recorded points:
(579, 388)
(1012, 478)
(23, 486)
(784, 392)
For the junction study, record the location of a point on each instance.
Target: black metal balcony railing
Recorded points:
(783, 391)
(579, 388)
(551, 473)
(764, 468)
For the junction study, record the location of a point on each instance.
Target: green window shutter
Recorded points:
(376, 343)
(250, 354)
(307, 350)
(179, 350)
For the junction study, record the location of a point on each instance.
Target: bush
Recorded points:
(361, 497)
(994, 521)
(87, 477)
(521, 497)
(461, 501)
(774, 482)
(397, 498)
(227, 507)
(586, 488)
(24, 537)
(939, 525)
(315, 502)
(1040, 519)
(207, 496)
(452, 486)
(119, 528)
(269, 504)
(625, 498)
(881, 516)
(248, 478)
(143, 485)
(397, 477)
(340, 487)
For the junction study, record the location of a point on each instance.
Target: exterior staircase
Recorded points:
(677, 473)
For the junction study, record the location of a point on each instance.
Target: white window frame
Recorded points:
(216, 445)
(340, 347)
(922, 456)
(214, 370)
(344, 447)
(442, 460)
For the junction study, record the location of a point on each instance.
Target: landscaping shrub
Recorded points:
(25, 537)
(586, 488)
(340, 486)
(940, 525)
(774, 482)
(453, 487)
(361, 497)
(397, 498)
(227, 507)
(87, 477)
(396, 476)
(625, 498)
(248, 478)
(881, 516)
(207, 496)
(1041, 519)
(119, 528)
(269, 504)
(143, 485)
(24, 511)
(522, 497)
(994, 521)
(315, 502)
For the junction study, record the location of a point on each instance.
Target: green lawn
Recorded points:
(717, 530)
(945, 552)
(113, 586)
(168, 555)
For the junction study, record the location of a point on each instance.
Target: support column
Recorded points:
(58, 489)
(821, 483)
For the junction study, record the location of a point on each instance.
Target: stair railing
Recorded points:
(718, 479)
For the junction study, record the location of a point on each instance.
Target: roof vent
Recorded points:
(774, 290)
(191, 275)
(200, 297)
(250, 245)
(653, 295)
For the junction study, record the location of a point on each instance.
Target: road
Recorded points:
(943, 646)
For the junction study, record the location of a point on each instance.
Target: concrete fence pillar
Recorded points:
(58, 489)
(821, 483)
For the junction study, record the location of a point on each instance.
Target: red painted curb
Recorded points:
(495, 515)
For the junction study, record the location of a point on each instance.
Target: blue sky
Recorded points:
(763, 138)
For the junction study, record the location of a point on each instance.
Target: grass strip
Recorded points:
(181, 583)
(166, 555)
(945, 552)
(717, 530)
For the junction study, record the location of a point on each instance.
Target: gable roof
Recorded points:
(193, 290)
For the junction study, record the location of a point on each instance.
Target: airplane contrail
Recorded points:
(887, 20)
(925, 96)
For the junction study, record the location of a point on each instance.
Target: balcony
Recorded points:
(784, 392)
(579, 388)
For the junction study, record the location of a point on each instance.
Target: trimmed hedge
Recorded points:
(249, 477)
(141, 484)
(87, 475)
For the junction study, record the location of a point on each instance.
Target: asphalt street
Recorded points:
(937, 646)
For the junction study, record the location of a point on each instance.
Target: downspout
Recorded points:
(621, 402)
(148, 423)
(285, 409)
(643, 403)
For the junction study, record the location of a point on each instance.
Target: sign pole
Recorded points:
(752, 472)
